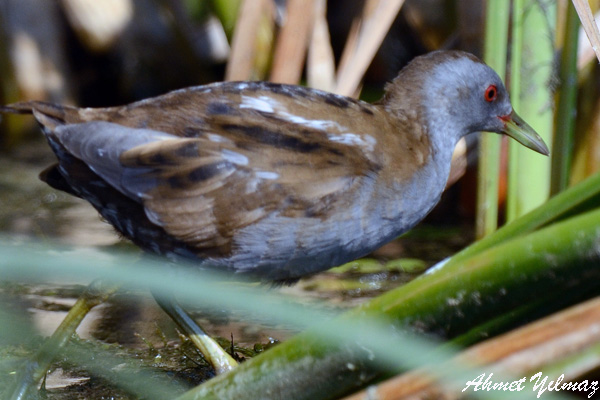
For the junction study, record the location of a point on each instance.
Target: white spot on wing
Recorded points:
(217, 138)
(352, 139)
(270, 105)
(267, 175)
(262, 103)
(320, 124)
(259, 176)
(234, 157)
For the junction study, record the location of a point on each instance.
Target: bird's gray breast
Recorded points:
(283, 248)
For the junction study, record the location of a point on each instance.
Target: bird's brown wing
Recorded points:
(203, 189)
(205, 162)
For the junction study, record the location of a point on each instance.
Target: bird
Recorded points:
(274, 182)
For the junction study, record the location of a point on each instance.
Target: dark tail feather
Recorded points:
(47, 114)
(27, 107)
(17, 108)
(54, 178)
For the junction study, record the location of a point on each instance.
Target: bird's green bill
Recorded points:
(516, 128)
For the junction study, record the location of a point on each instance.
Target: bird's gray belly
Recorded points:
(280, 248)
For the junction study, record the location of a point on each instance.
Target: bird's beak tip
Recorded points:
(518, 129)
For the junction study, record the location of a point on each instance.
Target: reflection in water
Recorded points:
(30, 208)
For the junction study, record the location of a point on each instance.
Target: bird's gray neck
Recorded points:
(422, 192)
(443, 138)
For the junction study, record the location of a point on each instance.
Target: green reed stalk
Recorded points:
(495, 50)
(562, 144)
(531, 70)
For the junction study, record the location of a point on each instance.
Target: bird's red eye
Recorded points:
(491, 93)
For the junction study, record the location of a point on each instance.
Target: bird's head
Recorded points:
(459, 94)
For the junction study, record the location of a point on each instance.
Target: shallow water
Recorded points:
(130, 321)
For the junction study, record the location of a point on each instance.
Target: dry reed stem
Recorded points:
(349, 50)
(458, 167)
(376, 21)
(320, 64)
(292, 42)
(99, 23)
(243, 45)
(585, 52)
(589, 24)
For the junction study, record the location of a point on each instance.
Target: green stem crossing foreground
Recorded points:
(37, 367)
(559, 258)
